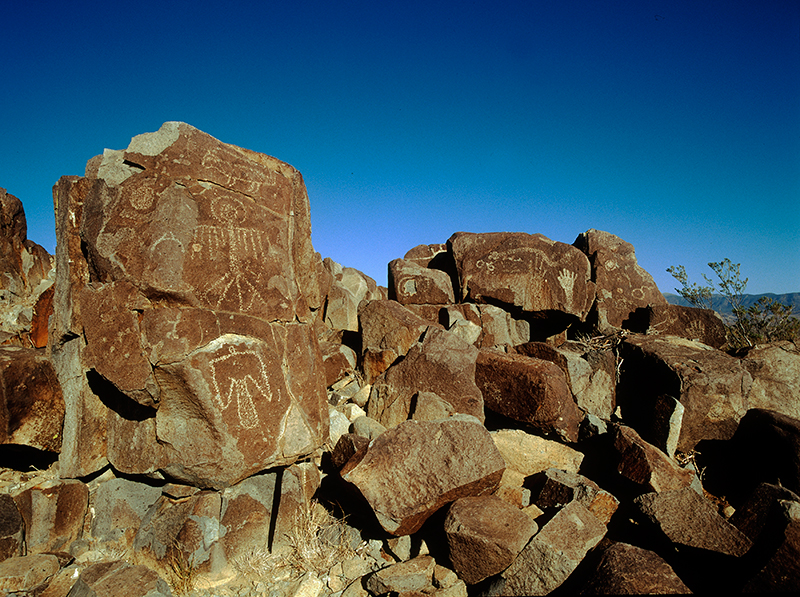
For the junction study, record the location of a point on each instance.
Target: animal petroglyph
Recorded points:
(241, 376)
(232, 172)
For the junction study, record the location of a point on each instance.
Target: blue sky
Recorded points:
(672, 124)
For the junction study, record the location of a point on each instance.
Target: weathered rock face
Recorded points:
(522, 271)
(528, 390)
(411, 284)
(702, 325)
(443, 461)
(775, 369)
(711, 386)
(442, 364)
(31, 403)
(187, 266)
(26, 270)
(621, 285)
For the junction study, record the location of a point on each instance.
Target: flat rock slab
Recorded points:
(530, 454)
(411, 471)
(20, 575)
(111, 579)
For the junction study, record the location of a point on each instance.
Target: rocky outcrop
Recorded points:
(26, 271)
(184, 296)
(233, 415)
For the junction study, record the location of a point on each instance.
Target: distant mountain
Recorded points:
(723, 307)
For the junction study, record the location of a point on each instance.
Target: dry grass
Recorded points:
(182, 571)
(317, 541)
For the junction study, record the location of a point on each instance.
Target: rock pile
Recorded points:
(217, 410)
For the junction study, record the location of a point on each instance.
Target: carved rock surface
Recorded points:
(442, 461)
(186, 282)
(528, 390)
(702, 325)
(411, 284)
(622, 285)
(528, 272)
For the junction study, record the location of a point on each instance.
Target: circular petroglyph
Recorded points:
(142, 197)
(228, 210)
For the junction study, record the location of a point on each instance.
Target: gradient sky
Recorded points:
(672, 124)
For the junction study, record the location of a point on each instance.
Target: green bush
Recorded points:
(765, 321)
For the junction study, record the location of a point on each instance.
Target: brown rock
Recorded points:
(524, 271)
(388, 331)
(53, 513)
(484, 535)
(164, 250)
(701, 325)
(349, 287)
(119, 506)
(553, 553)
(751, 517)
(775, 369)
(442, 364)
(26, 269)
(12, 528)
(410, 283)
(622, 285)
(415, 575)
(626, 569)
(711, 385)
(646, 465)
(110, 579)
(22, 575)
(555, 488)
(778, 552)
(688, 519)
(441, 462)
(42, 310)
(591, 374)
(528, 390)
(31, 402)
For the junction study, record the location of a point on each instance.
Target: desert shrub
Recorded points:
(765, 321)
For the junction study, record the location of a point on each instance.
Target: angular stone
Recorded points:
(700, 325)
(40, 323)
(512, 490)
(500, 329)
(415, 575)
(751, 517)
(646, 465)
(410, 283)
(12, 528)
(626, 569)
(484, 535)
(164, 249)
(388, 331)
(53, 512)
(349, 287)
(775, 369)
(441, 462)
(338, 360)
(555, 488)
(780, 543)
(442, 364)
(591, 374)
(553, 553)
(21, 575)
(528, 390)
(31, 402)
(528, 272)
(688, 519)
(110, 579)
(119, 507)
(711, 385)
(530, 454)
(27, 272)
(622, 285)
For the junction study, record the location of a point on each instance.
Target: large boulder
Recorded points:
(183, 311)
(711, 385)
(412, 284)
(622, 285)
(528, 390)
(775, 369)
(524, 272)
(409, 472)
(26, 270)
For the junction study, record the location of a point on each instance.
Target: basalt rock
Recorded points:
(186, 284)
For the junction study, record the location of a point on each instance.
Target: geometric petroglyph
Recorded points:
(250, 387)
(231, 172)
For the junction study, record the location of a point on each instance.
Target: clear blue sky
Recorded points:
(672, 124)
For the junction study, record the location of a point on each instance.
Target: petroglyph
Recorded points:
(241, 376)
(567, 280)
(232, 172)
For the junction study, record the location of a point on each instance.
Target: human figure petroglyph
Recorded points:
(246, 389)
